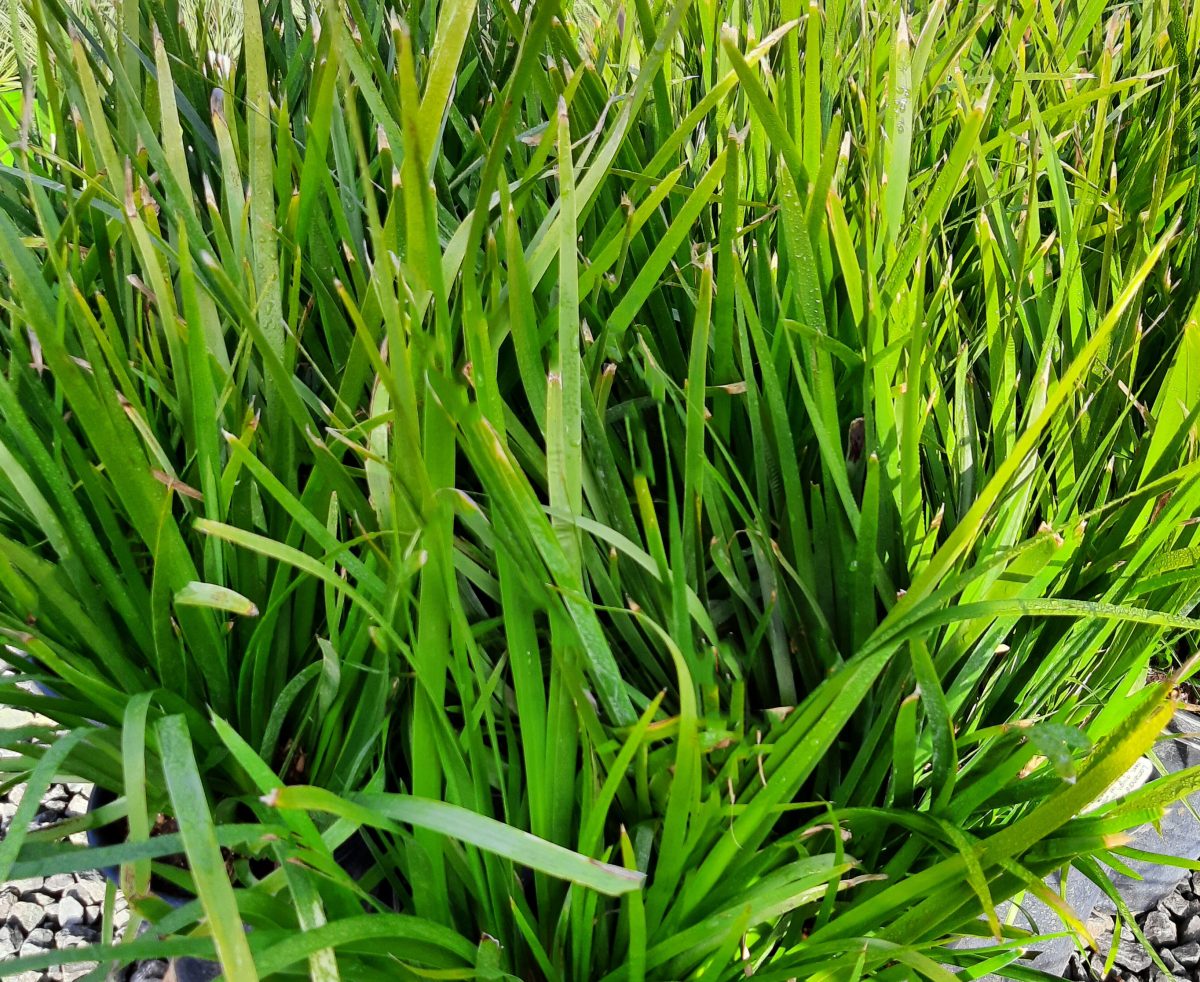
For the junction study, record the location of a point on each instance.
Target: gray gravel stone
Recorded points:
(77, 970)
(151, 971)
(77, 806)
(26, 916)
(1100, 922)
(1131, 955)
(1190, 930)
(1159, 929)
(195, 970)
(1169, 959)
(1188, 955)
(26, 977)
(1103, 942)
(71, 911)
(1174, 904)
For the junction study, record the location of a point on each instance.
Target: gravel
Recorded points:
(1172, 929)
(1160, 930)
(1190, 931)
(26, 915)
(1176, 904)
(148, 972)
(63, 910)
(58, 884)
(1188, 955)
(70, 912)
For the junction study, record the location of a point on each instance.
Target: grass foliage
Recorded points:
(687, 489)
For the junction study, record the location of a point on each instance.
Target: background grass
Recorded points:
(753, 445)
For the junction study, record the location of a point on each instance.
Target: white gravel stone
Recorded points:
(61, 911)
(30, 951)
(11, 718)
(59, 883)
(87, 892)
(10, 940)
(26, 916)
(40, 937)
(70, 911)
(30, 884)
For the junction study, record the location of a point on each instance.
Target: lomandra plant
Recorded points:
(715, 479)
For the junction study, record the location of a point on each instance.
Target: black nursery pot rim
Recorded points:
(104, 836)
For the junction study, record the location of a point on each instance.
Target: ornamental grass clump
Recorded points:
(680, 490)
